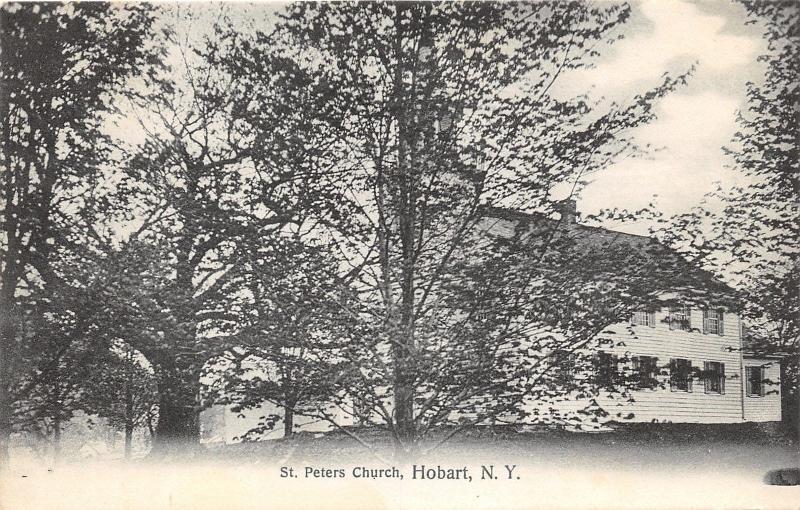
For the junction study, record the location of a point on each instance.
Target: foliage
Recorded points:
(352, 217)
(753, 239)
(59, 65)
(297, 321)
(203, 189)
(416, 120)
(121, 389)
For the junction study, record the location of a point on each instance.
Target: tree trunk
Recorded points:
(150, 428)
(288, 421)
(178, 427)
(790, 399)
(404, 352)
(56, 441)
(5, 447)
(290, 402)
(7, 341)
(128, 440)
(129, 417)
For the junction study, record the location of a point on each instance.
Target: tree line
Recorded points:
(308, 218)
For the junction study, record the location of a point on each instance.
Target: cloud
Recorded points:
(670, 33)
(692, 127)
(689, 134)
(694, 122)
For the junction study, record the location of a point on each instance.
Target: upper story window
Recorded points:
(713, 321)
(714, 377)
(680, 317)
(755, 381)
(680, 374)
(641, 318)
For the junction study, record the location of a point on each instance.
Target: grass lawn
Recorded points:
(750, 447)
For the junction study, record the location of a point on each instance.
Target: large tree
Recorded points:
(201, 187)
(59, 65)
(766, 151)
(753, 238)
(421, 118)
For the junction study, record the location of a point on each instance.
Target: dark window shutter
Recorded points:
(761, 381)
(654, 372)
(606, 369)
(749, 378)
(652, 319)
(672, 374)
(721, 318)
(563, 362)
(722, 378)
(707, 378)
(705, 321)
(599, 365)
(689, 376)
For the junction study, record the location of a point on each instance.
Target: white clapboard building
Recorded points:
(692, 359)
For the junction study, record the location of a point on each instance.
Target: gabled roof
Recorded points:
(756, 345)
(685, 279)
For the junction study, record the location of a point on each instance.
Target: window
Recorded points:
(563, 364)
(680, 317)
(755, 381)
(680, 375)
(714, 377)
(644, 319)
(605, 369)
(646, 371)
(445, 122)
(713, 321)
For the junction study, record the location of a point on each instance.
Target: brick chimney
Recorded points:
(569, 211)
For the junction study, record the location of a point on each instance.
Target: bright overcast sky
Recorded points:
(695, 121)
(693, 124)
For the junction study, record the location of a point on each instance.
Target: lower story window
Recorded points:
(606, 369)
(564, 365)
(680, 375)
(714, 377)
(646, 370)
(755, 381)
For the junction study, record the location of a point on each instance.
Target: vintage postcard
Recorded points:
(400, 255)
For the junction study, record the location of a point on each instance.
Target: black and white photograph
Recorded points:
(400, 255)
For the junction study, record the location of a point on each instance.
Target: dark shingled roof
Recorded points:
(689, 280)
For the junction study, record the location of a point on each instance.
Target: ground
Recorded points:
(645, 444)
(664, 466)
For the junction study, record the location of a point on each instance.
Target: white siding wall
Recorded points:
(768, 407)
(663, 404)
(221, 424)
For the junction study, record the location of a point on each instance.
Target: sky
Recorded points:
(695, 121)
